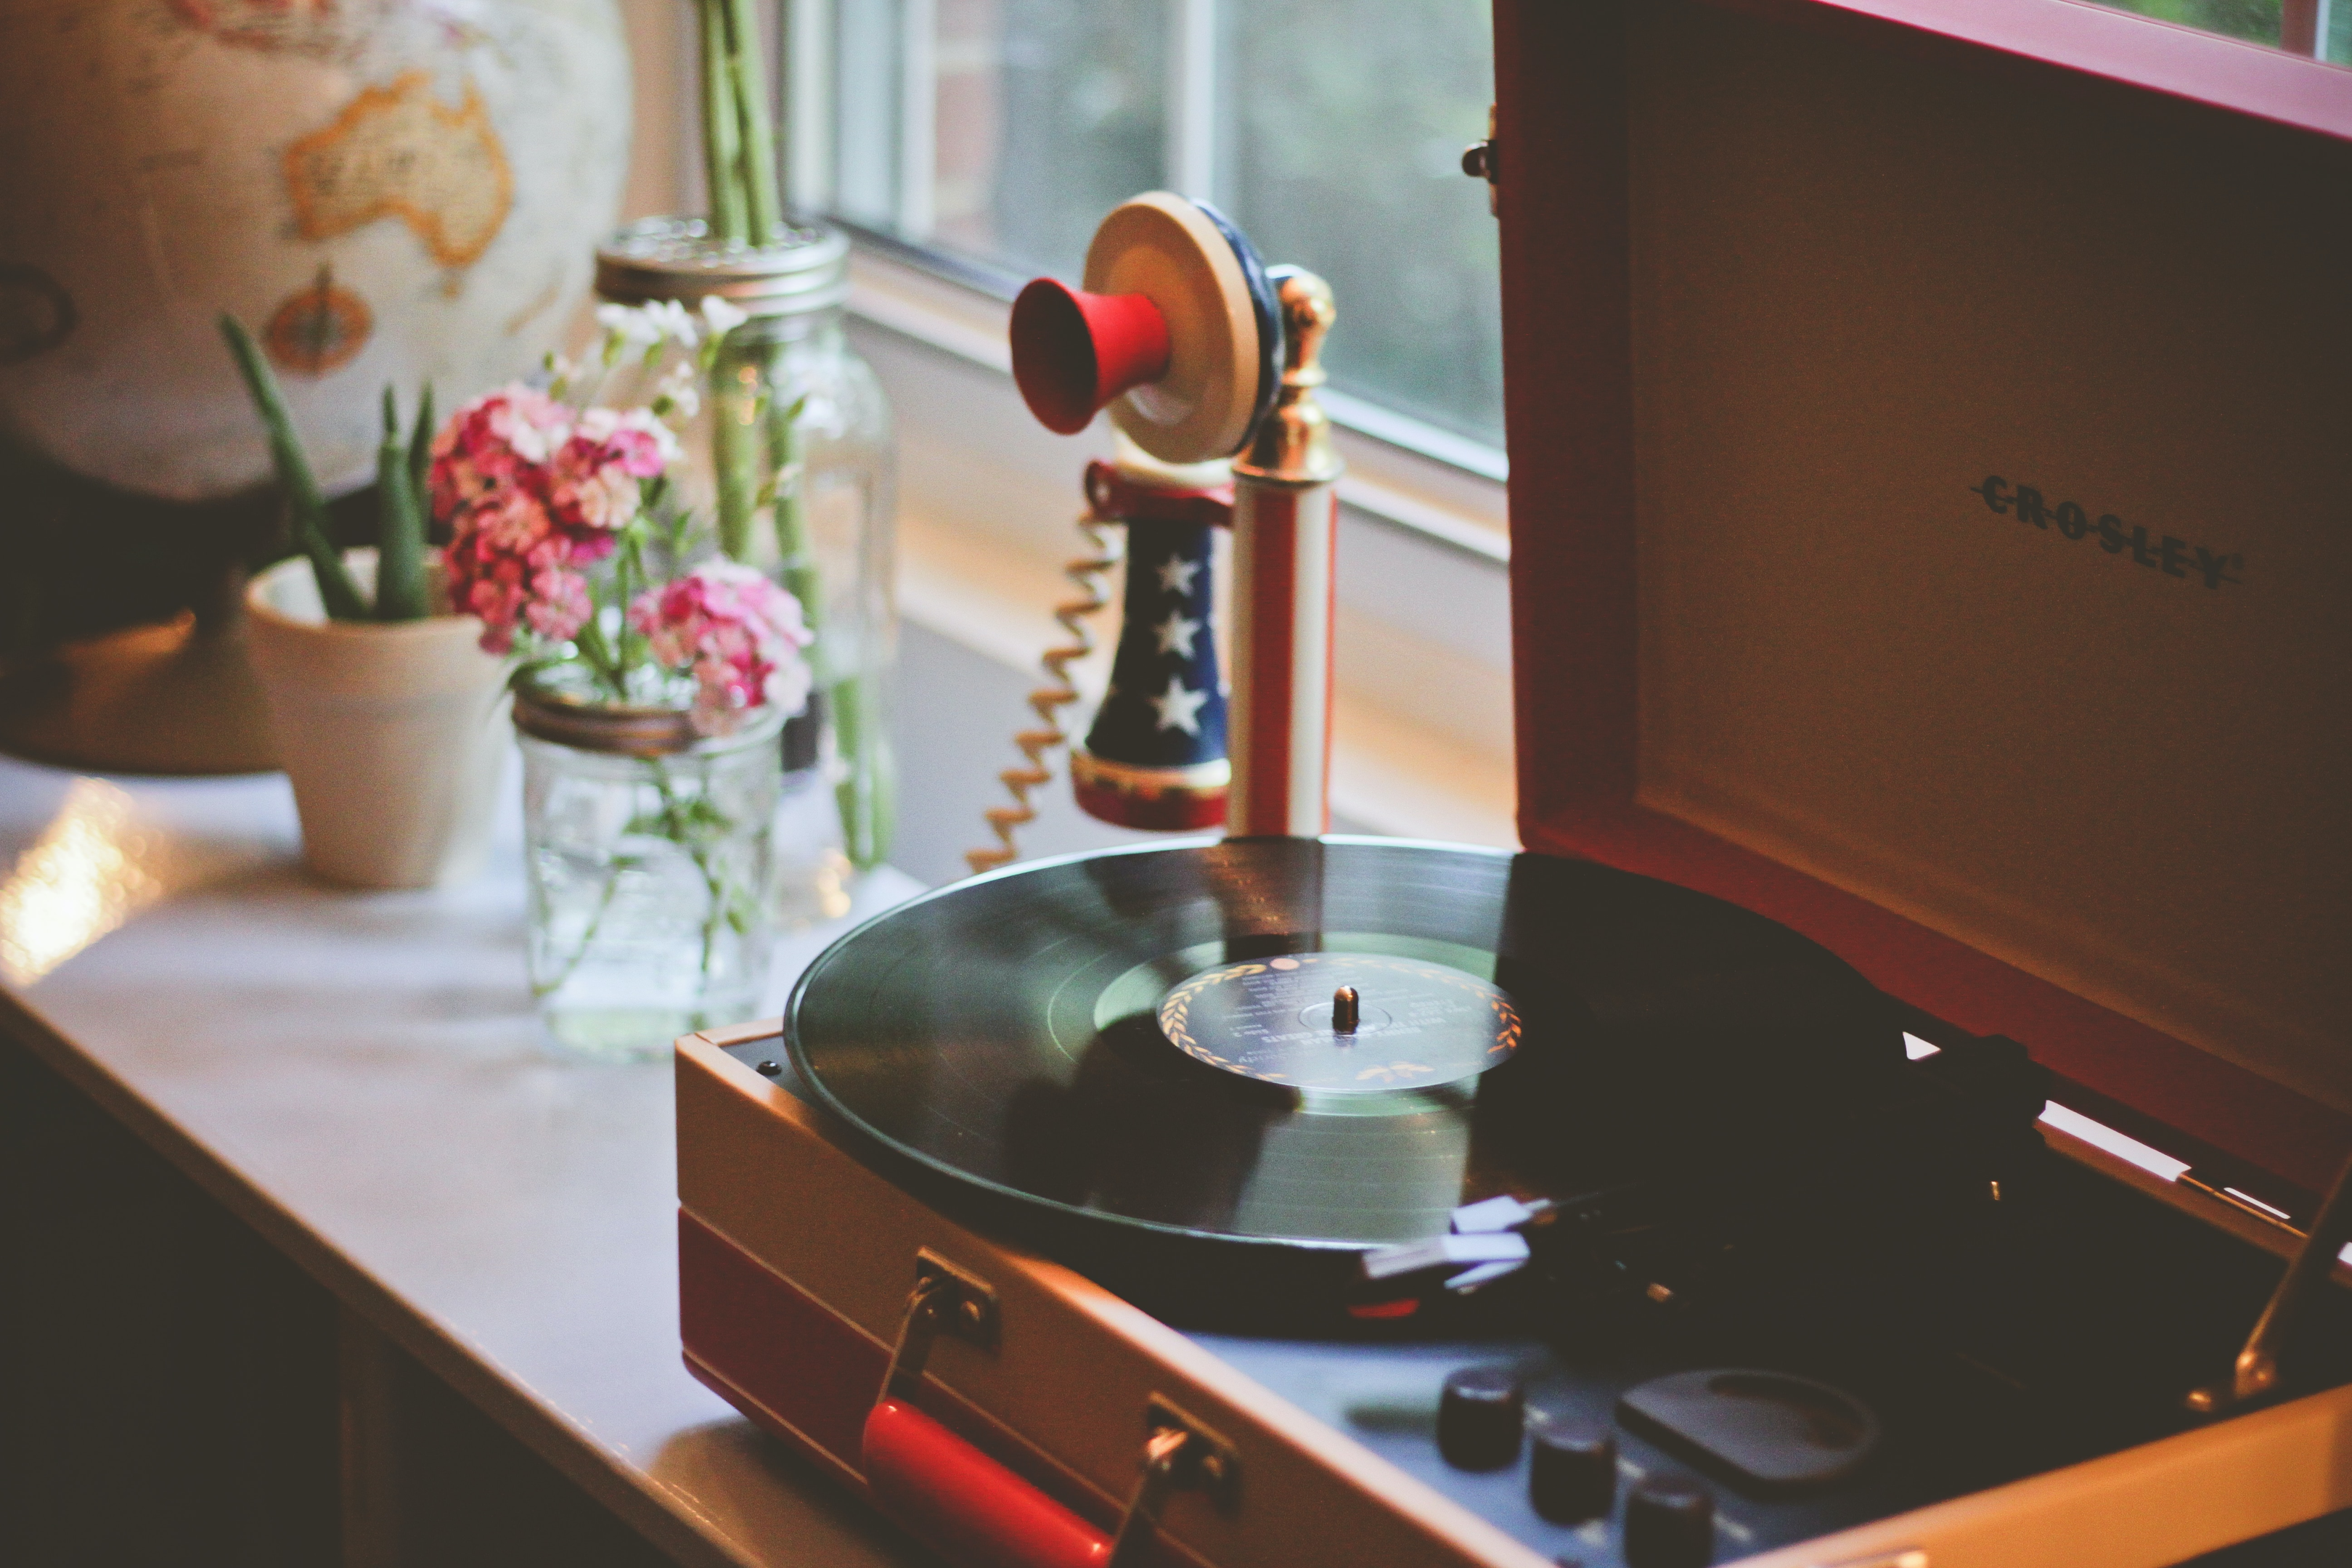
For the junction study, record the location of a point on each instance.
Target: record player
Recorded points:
(1865, 1126)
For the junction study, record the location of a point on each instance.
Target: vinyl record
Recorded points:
(1133, 1061)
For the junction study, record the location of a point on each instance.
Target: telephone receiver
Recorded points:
(1207, 362)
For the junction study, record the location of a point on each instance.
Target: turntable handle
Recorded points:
(965, 1505)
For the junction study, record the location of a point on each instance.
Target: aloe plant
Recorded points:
(401, 467)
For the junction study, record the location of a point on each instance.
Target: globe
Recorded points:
(382, 190)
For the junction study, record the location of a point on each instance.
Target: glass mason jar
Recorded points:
(652, 861)
(790, 459)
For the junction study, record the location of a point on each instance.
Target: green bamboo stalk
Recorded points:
(721, 130)
(400, 541)
(337, 592)
(866, 796)
(787, 453)
(763, 207)
(734, 458)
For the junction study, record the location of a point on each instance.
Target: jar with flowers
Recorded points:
(788, 455)
(651, 691)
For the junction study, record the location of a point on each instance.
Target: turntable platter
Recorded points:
(1131, 1058)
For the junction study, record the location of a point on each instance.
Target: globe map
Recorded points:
(382, 190)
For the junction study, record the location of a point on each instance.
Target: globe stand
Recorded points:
(179, 697)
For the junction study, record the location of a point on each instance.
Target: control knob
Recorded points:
(1479, 1418)
(1669, 1523)
(1571, 1470)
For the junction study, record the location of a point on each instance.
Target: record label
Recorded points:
(1418, 1025)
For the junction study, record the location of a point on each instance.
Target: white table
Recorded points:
(359, 1078)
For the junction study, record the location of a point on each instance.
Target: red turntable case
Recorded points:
(1928, 424)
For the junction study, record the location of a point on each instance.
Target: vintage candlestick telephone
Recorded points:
(1208, 363)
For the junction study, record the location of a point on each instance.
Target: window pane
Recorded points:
(1346, 122)
(1001, 131)
(2320, 28)
(1029, 120)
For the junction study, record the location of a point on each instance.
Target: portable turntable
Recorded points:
(1926, 428)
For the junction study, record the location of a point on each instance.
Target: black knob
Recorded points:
(1478, 1419)
(1571, 1470)
(1669, 1523)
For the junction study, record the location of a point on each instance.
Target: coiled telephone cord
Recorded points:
(1089, 573)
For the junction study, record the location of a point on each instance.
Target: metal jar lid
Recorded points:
(620, 730)
(804, 266)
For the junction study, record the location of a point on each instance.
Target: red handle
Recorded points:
(964, 1504)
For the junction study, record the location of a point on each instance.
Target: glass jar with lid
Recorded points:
(651, 853)
(790, 462)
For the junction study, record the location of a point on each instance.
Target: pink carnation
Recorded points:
(738, 634)
(532, 492)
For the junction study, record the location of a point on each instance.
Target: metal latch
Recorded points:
(945, 1299)
(1179, 1454)
(1482, 160)
(2255, 1374)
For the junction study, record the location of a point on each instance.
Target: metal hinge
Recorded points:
(1482, 160)
(2219, 1189)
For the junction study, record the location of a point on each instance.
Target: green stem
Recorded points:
(400, 541)
(714, 885)
(337, 593)
(589, 640)
(865, 796)
(588, 936)
(757, 137)
(721, 131)
(420, 455)
(734, 456)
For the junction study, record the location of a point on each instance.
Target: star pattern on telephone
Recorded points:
(1180, 706)
(1176, 634)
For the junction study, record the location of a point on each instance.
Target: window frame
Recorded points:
(806, 40)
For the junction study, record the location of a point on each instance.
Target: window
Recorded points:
(2319, 27)
(995, 133)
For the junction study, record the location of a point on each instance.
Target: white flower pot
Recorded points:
(395, 733)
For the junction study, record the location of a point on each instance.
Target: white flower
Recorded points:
(679, 392)
(672, 320)
(720, 317)
(630, 323)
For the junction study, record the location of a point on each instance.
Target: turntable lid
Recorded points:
(1930, 466)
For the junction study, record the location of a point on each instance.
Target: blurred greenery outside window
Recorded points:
(993, 135)
(2320, 27)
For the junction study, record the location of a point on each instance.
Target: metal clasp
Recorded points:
(1482, 160)
(945, 1299)
(1179, 1454)
(2255, 1374)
